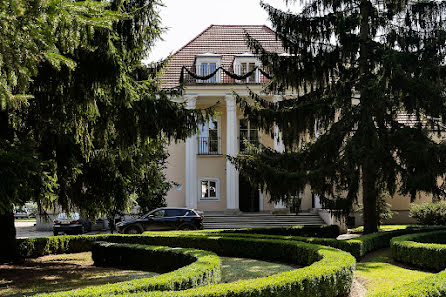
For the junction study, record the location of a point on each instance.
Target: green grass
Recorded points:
(378, 272)
(381, 228)
(234, 269)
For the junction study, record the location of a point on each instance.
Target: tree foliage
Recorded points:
(361, 69)
(95, 130)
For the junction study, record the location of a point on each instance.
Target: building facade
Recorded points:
(204, 178)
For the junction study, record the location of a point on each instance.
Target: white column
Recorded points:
(279, 147)
(191, 161)
(232, 182)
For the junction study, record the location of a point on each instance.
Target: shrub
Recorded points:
(325, 231)
(358, 247)
(432, 213)
(330, 275)
(193, 268)
(412, 249)
(329, 271)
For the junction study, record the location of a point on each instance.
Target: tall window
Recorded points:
(209, 189)
(208, 138)
(206, 69)
(248, 135)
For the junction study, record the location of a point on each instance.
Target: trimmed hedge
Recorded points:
(358, 247)
(330, 274)
(413, 249)
(193, 268)
(324, 231)
(141, 257)
(329, 271)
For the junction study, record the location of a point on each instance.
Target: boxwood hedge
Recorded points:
(415, 250)
(323, 231)
(358, 247)
(192, 268)
(329, 272)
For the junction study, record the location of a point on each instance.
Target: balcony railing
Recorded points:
(209, 146)
(222, 76)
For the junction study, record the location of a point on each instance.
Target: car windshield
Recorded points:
(71, 216)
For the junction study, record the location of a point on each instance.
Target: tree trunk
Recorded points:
(367, 125)
(369, 197)
(8, 247)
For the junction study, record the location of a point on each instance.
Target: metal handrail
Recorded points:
(209, 146)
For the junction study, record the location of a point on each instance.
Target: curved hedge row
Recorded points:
(415, 250)
(323, 231)
(329, 271)
(193, 268)
(358, 247)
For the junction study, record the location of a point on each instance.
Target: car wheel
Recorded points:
(187, 228)
(82, 230)
(55, 233)
(133, 230)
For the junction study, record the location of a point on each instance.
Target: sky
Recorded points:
(185, 19)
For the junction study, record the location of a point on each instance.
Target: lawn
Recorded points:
(378, 272)
(69, 271)
(381, 228)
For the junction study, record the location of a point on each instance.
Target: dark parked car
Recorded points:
(72, 223)
(165, 218)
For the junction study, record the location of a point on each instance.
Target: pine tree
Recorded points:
(93, 135)
(358, 67)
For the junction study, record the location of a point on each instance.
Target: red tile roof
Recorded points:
(225, 40)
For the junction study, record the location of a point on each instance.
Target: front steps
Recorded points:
(213, 220)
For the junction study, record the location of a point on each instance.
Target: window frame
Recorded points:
(217, 189)
(239, 60)
(208, 153)
(239, 140)
(207, 59)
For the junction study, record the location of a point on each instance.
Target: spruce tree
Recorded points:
(358, 68)
(93, 135)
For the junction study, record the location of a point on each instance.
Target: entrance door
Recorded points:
(248, 196)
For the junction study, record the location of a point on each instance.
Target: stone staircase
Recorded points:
(213, 220)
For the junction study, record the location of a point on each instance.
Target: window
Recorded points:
(206, 69)
(158, 213)
(244, 64)
(209, 138)
(209, 189)
(249, 135)
(245, 68)
(207, 64)
(175, 212)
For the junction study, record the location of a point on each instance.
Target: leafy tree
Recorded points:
(359, 67)
(93, 135)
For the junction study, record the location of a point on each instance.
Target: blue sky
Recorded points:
(187, 18)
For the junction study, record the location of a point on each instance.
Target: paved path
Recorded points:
(28, 230)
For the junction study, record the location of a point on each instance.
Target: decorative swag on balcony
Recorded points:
(230, 74)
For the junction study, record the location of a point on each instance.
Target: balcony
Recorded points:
(222, 76)
(209, 146)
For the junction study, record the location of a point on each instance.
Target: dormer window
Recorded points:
(244, 64)
(207, 64)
